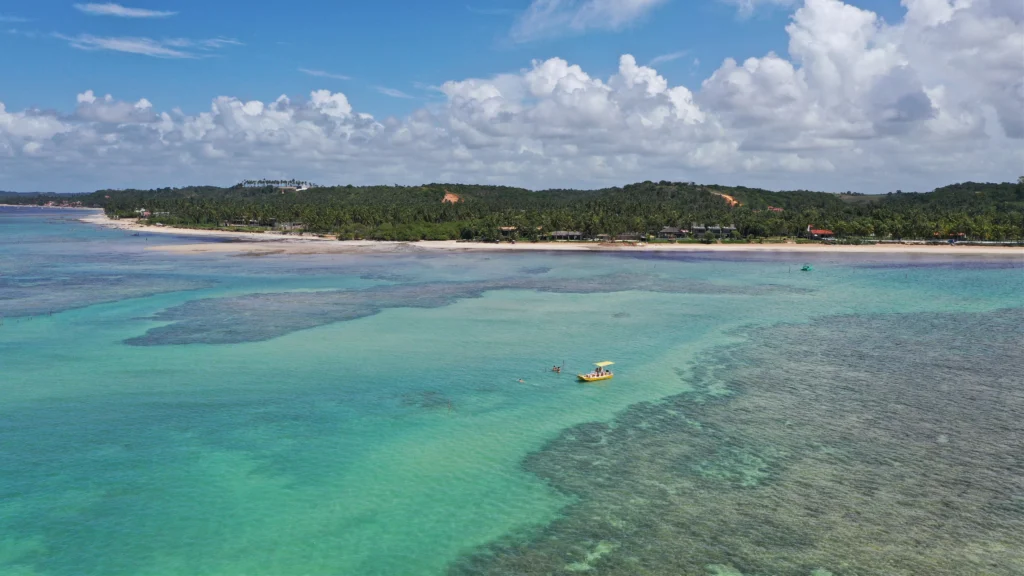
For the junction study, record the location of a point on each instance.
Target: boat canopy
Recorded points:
(603, 364)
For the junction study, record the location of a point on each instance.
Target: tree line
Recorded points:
(969, 210)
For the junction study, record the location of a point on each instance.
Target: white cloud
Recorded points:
(111, 9)
(167, 48)
(670, 57)
(110, 111)
(859, 104)
(144, 46)
(12, 19)
(747, 7)
(214, 43)
(322, 74)
(392, 92)
(547, 18)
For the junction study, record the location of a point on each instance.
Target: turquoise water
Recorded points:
(362, 414)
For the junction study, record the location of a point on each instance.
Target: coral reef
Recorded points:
(840, 450)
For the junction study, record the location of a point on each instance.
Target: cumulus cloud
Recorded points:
(857, 104)
(546, 18)
(112, 9)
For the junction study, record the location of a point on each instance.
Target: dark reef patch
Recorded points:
(32, 295)
(255, 317)
(426, 399)
(883, 445)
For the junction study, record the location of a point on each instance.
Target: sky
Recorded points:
(865, 95)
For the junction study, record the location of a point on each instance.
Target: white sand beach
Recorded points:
(259, 244)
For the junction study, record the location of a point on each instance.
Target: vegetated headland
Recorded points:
(668, 212)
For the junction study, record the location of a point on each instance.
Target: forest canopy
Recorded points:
(969, 210)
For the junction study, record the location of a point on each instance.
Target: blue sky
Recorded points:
(868, 95)
(402, 45)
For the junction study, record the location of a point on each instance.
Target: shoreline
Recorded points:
(265, 244)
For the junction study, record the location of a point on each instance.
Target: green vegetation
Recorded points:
(980, 211)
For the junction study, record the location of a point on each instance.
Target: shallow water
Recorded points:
(875, 445)
(346, 414)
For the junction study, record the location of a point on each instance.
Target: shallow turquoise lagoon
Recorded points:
(363, 414)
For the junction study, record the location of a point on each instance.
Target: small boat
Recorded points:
(599, 374)
(806, 268)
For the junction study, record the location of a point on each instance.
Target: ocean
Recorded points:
(383, 414)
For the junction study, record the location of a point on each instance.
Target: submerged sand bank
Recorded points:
(260, 244)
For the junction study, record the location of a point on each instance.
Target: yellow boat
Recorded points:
(599, 374)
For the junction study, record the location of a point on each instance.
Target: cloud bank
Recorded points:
(858, 105)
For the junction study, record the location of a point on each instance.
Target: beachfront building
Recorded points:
(699, 230)
(509, 231)
(629, 237)
(566, 235)
(818, 233)
(669, 233)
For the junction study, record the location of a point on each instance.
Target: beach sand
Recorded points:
(265, 244)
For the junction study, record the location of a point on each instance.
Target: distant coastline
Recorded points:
(48, 207)
(270, 243)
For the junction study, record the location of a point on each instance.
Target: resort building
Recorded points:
(717, 229)
(566, 235)
(818, 233)
(669, 232)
